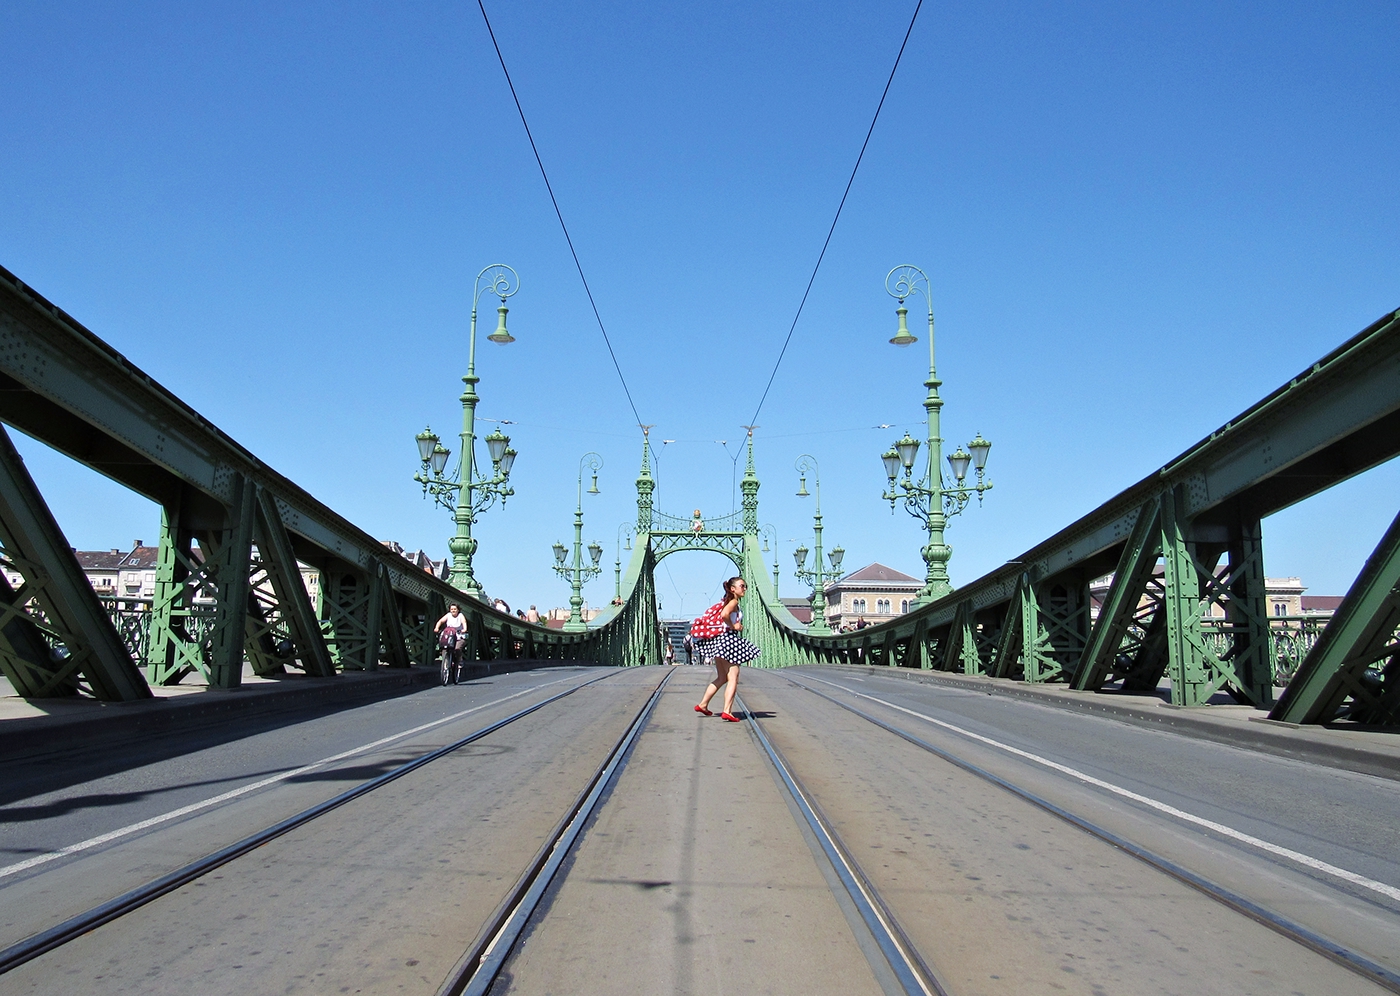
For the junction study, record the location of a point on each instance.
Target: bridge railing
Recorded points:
(1186, 537)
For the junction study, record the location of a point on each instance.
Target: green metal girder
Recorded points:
(1024, 649)
(1357, 657)
(284, 572)
(231, 554)
(56, 606)
(347, 618)
(961, 655)
(178, 623)
(392, 637)
(1135, 565)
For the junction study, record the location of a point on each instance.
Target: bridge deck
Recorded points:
(696, 873)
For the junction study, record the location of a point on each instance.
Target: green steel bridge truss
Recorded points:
(235, 536)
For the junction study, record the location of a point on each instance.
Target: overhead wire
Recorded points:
(832, 230)
(557, 212)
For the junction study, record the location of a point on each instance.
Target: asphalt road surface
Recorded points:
(697, 872)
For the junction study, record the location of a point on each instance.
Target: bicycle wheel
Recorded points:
(446, 666)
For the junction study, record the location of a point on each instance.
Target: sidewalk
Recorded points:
(1370, 750)
(29, 726)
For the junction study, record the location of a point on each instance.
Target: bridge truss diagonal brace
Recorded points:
(961, 654)
(1357, 655)
(1130, 580)
(232, 554)
(280, 562)
(391, 626)
(1024, 637)
(69, 611)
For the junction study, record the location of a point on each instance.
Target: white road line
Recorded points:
(1305, 860)
(195, 807)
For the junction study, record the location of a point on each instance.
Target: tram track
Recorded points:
(1340, 954)
(910, 972)
(477, 970)
(48, 940)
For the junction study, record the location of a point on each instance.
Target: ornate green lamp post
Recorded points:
(817, 577)
(931, 499)
(625, 528)
(577, 572)
(473, 495)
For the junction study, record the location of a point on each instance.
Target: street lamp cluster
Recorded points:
(473, 495)
(577, 572)
(819, 575)
(930, 499)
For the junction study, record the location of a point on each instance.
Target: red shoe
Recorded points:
(703, 711)
(728, 718)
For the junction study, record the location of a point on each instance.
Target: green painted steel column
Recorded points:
(1186, 652)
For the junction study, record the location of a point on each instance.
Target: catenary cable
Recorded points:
(558, 213)
(832, 230)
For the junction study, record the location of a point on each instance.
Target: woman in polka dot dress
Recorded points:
(726, 651)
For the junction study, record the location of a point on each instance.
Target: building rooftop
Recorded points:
(138, 558)
(878, 574)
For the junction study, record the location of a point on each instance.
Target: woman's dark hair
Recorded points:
(454, 605)
(729, 586)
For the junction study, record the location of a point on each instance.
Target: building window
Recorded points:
(882, 606)
(903, 605)
(1280, 609)
(857, 605)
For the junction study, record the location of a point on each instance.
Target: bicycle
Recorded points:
(450, 666)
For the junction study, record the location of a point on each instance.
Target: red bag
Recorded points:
(710, 624)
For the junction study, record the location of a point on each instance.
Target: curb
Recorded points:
(108, 721)
(1283, 740)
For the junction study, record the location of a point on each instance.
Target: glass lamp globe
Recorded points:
(908, 448)
(426, 440)
(980, 448)
(959, 461)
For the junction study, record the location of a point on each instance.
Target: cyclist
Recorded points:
(452, 638)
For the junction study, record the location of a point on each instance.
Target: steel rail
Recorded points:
(1296, 932)
(58, 935)
(476, 971)
(914, 976)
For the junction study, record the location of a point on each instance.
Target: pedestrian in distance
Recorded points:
(451, 631)
(689, 643)
(718, 641)
(670, 653)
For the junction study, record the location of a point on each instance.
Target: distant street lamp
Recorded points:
(625, 528)
(578, 572)
(818, 576)
(769, 530)
(930, 499)
(473, 495)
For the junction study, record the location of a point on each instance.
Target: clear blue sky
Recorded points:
(1138, 221)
